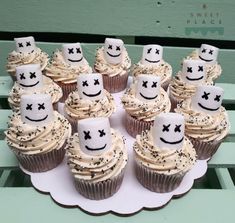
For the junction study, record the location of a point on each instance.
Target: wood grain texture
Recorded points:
(172, 55)
(211, 19)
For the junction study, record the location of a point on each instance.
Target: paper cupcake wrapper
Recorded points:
(165, 84)
(13, 76)
(73, 122)
(205, 150)
(99, 190)
(115, 84)
(135, 127)
(174, 102)
(156, 182)
(67, 89)
(40, 162)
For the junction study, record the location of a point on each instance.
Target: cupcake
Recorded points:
(152, 63)
(65, 67)
(185, 82)
(142, 102)
(89, 100)
(37, 134)
(208, 54)
(31, 81)
(113, 62)
(206, 121)
(163, 155)
(97, 158)
(26, 52)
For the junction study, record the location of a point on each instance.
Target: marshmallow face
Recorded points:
(147, 87)
(36, 109)
(207, 99)
(29, 76)
(193, 71)
(208, 53)
(113, 49)
(152, 54)
(90, 86)
(72, 53)
(25, 44)
(94, 135)
(168, 131)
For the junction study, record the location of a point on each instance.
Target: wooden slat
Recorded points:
(172, 55)
(4, 177)
(117, 17)
(224, 178)
(28, 205)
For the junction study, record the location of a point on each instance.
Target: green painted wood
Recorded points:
(211, 19)
(4, 177)
(173, 55)
(224, 157)
(6, 84)
(7, 158)
(4, 114)
(224, 178)
(210, 205)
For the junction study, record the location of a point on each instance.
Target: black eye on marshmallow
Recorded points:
(217, 98)
(154, 84)
(166, 128)
(29, 107)
(110, 47)
(144, 84)
(189, 69)
(177, 128)
(22, 76)
(84, 83)
(32, 75)
(28, 44)
(205, 95)
(87, 135)
(96, 82)
(200, 68)
(102, 133)
(70, 50)
(41, 106)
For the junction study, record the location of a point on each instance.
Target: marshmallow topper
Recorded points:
(207, 99)
(72, 53)
(36, 109)
(193, 71)
(90, 86)
(152, 54)
(208, 53)
(94, 135)
(25, 44)
(113, 49)
(147, 87)
(168, 131)
(29, 76)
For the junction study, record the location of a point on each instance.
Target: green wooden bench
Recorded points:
(178, 25)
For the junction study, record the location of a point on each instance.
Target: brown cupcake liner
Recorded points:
(13, 76)
(156, 182)
(67, 89)
(115, 84)
(205, 150)
(174, 102)
(135, 127)
(40, 162)
(99, 190)
(165, 84)
(73, 122)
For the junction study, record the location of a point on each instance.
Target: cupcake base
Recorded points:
(115, 84)
(156, 182)
(67, 89)
(41, 162)
(165, 84)
(205, 150)
(174, 102)
(99, 190)
(135, 127)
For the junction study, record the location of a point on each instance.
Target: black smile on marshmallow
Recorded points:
(113, 55)
(205, 59)
(92, 149)
(172, 143)
(75, 60)
(36, 120)
(209, 109)
(148, 98)
(92, 95)
(32, 85)
(194, 79)
(152, 61)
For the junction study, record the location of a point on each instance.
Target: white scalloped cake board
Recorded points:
(59, 182)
